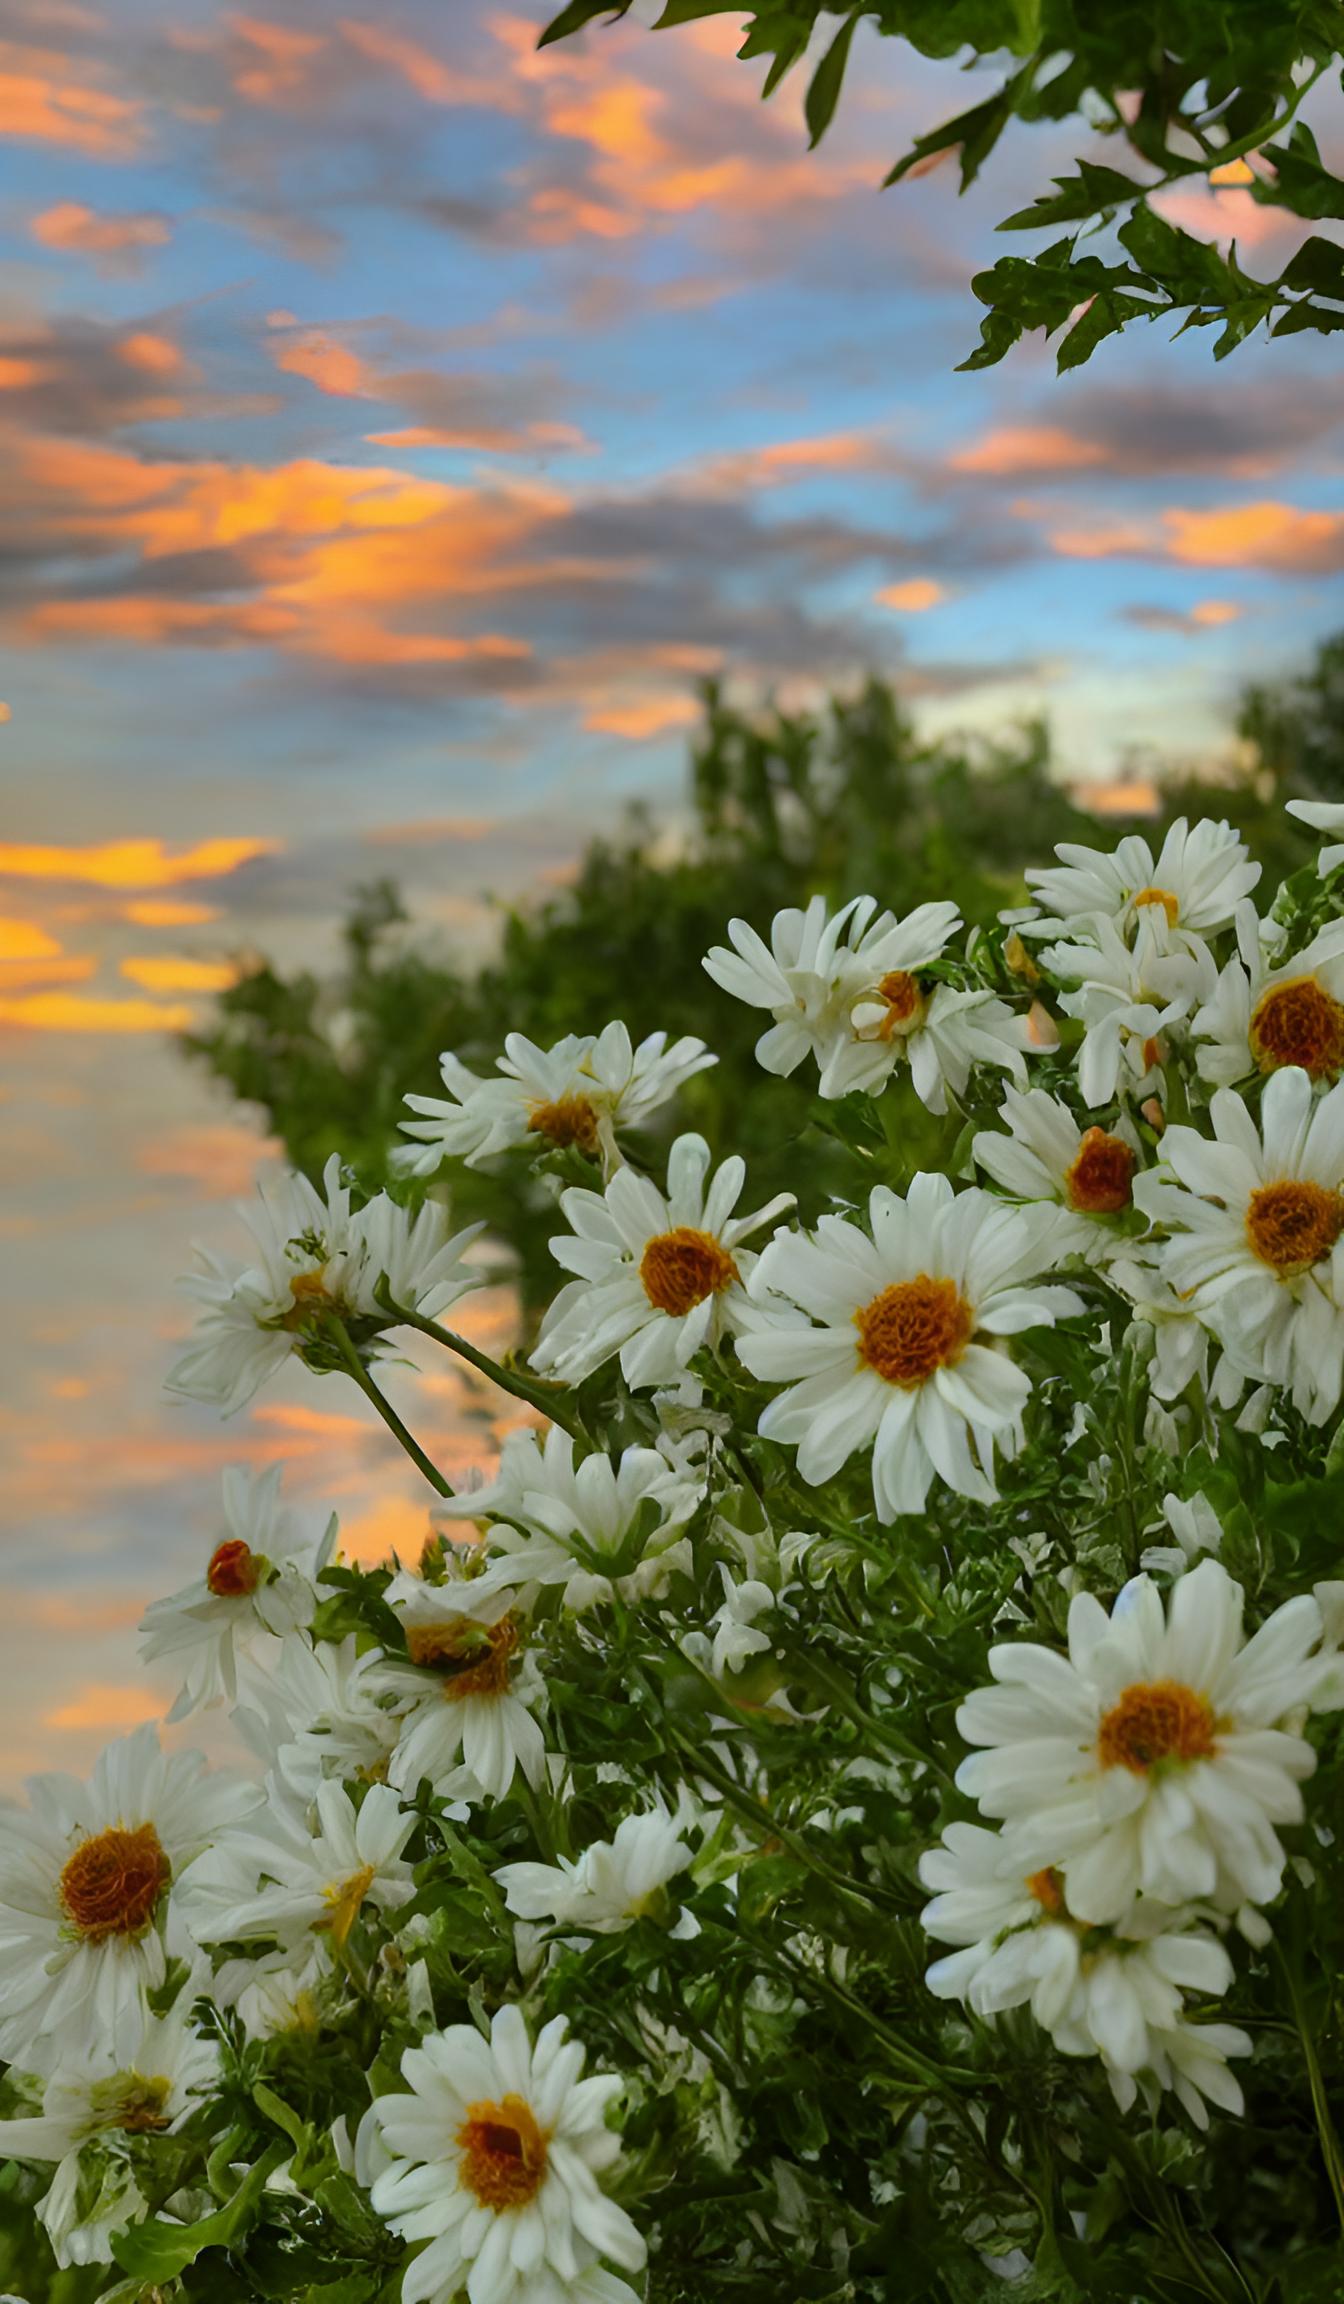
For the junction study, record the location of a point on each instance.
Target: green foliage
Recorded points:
(1183, 86)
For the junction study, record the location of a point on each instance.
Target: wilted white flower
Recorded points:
(612, 1884)
(299, 1870)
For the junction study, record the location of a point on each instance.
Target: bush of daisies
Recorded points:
(846, 1807)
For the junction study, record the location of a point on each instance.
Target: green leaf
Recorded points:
(1301, 180)
(823, 93)
(1091, 192)
(158, 2250)
(576, 15)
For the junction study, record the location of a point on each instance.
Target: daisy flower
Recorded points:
(465, 1697)
(89, 1914)
(495, 2158)
(315, 1258)
(299, 1870)
(1149, 1761)
(90, 2118)
(1322, 816)
(258, 1581)
(317, 1711)
(594, 1528)
(816, 965)
(658, 1276)
(893, 1342)
(939, 1032)
(1261, 1016)
(1196, 880)
(1117, 1996)
(1048, 1155)
(1255, 1219)
(1127, 998)
(611, 1885)
(578, 1092)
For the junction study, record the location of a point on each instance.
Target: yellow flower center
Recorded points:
(310, 1298)
(680, 1268)
(569, 1120)
(914, 1327)
(503, 2154)
(904, 1005)
(1298, 1023)
(138, 2105)
(475, 1659)
(1153, 1721)
(1293, 1224)
(344, 1901)
(1170, 904)
(1100, 1181)
(1048, 1890)
(112, 1883)
(234, 1570)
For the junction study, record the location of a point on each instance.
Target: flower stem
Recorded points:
(385, 1408)
(531, 1389)
(1325, 2127)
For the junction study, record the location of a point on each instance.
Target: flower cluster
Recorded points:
(952, 1558)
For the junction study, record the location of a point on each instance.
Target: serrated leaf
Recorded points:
(158, 2250)
(576, 15)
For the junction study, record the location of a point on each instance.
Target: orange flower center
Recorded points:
(1299, 1023)
(1153, 1721)
(1170, 904)
(1293, 1224)
(1048, 1889)
(475, 1659)
(112, 1884)
(680, 1268)
(914, 1327)
(1101, 1179)
(503, 2153)
(570, 1120)
(234, 1570)
(904, 1004)
(310, 1298)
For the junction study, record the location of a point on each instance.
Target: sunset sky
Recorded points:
(394, 423)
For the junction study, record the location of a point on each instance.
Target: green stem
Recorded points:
(350, 1356)
(1325, 2127)
(536, 1393)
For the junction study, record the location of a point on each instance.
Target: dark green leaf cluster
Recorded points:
(1184, 87)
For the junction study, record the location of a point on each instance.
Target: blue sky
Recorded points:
(395, 423)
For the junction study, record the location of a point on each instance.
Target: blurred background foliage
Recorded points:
(782, 805)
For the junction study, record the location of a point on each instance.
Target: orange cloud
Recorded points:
(164, 973)
(1213, 612)
(16, 375)
(1266, 535)
(112, 241)
(332, 367)
(106, 1704)
(21, 975)
(68, 1012)
(913, 597)
(1138, 797)
(40, 99)
(1026, 448)
(24, 940)
(273, 66)
(164, 912)
(394, 1524)
(219, 1160)
(781, 461)
(643, 716)
(422, 71)
(140, 863)
(154, 355)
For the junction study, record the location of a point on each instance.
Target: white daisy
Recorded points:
(1255, 1219)
(496, 2155)
(816, 965)
(1196, 880)
(317, 1710)
(1264, 1012)
(904, 1354)
(259, 1580)
(315, 1258)
(1127, 998)
(1180, 1342)
(92, 2113)
(594, 1528)
(1049, 1155)
(1119, 1996)
(940, 1032)
(1191, 2060)
(1322, 816)
(612, 1884)
(465, 1697)
(579, 1092)
(1196, 1528)
(273, 1993)
(658, 1277)
(89, 1915)
(299, 1869)
(1149, 1761)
